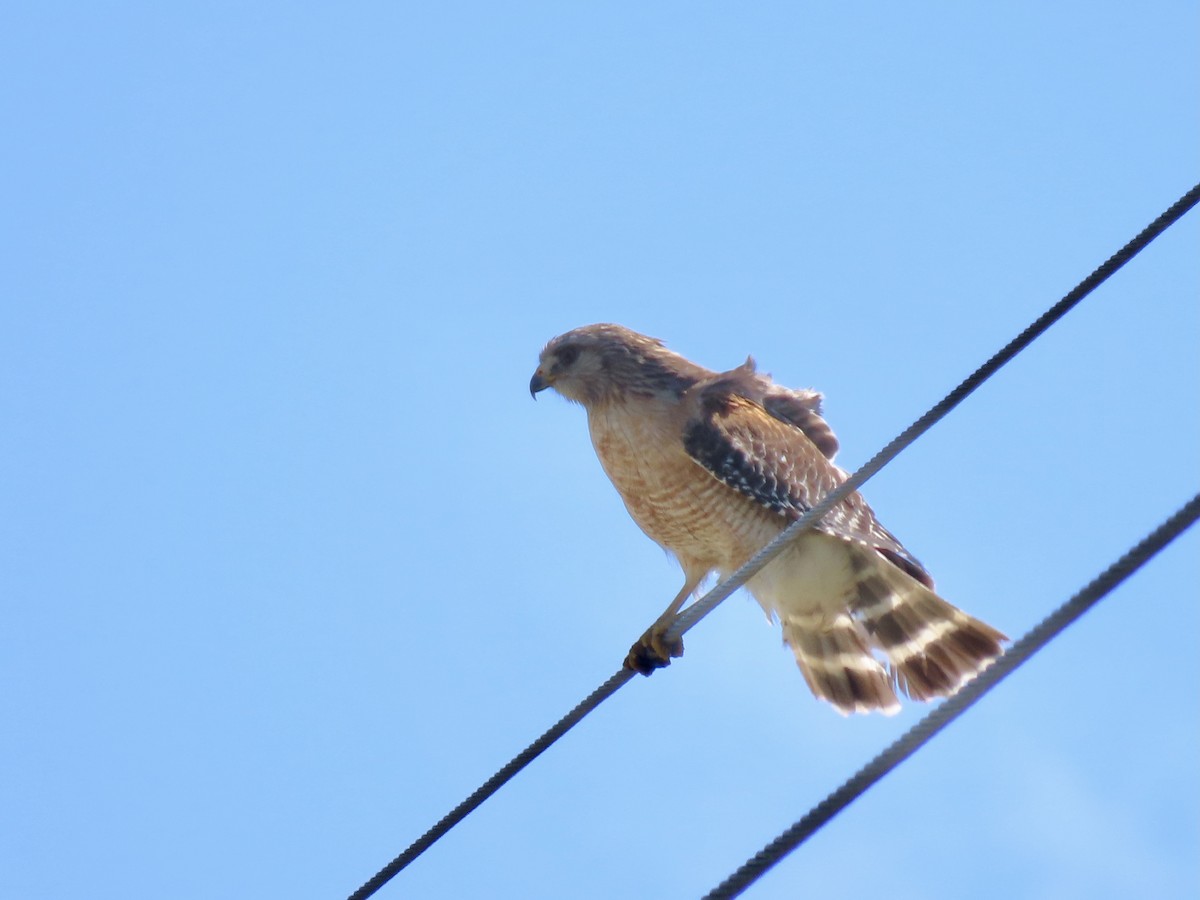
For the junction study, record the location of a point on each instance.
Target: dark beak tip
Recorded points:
(536, 383)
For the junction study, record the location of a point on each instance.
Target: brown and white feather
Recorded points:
(712, 466)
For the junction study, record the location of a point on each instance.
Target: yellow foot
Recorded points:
(653, 650)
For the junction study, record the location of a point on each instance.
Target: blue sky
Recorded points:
(290, 562)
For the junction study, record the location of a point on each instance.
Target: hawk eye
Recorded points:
(567, 355)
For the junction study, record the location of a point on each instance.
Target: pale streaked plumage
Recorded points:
(712, 467)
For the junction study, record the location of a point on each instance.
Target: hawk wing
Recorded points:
(801, 408)
(733, 434)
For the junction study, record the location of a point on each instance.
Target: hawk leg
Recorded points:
(653, 650)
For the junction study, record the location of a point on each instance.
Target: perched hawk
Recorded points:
(712, 466)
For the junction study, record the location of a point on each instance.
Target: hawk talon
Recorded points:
(653, 651)
(667, 650)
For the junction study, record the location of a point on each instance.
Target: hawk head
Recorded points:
(601, 363)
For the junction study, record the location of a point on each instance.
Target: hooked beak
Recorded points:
(537, 383)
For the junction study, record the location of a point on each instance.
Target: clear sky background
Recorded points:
(290, 562)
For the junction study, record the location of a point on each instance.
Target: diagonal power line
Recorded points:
(917, 736)
(709, 601)
(493, 784)
(702, 607)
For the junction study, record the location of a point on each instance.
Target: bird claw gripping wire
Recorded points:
(654, 649)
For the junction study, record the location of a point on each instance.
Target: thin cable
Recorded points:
(952, 708)
(702, 607)
(493, 784)
(706, 604)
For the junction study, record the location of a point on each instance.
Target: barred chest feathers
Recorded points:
(678, 504)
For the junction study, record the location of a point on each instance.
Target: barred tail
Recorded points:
(836, 661)
(932, 647)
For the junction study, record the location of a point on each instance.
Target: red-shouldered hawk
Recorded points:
(712, 466)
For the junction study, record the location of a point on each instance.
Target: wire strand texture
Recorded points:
(493, 784)
(706, 604)
(690, 616)
(917, 736)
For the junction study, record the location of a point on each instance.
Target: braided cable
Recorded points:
(916, 737)
(706, 604)
(690, 616)
(493, 784)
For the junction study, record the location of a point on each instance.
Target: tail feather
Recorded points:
(836, 662)
(932, 647)
(866, 636)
